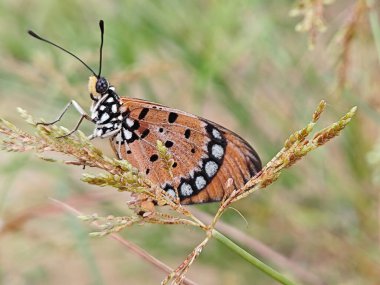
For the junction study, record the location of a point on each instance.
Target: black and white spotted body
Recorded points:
(105, 113)
(111, 122)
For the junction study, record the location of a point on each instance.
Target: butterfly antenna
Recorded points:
(33, 34)
(101, 26)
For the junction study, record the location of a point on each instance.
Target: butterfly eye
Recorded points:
(102, 85)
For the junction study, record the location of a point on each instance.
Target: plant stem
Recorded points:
(374, 22)
(251, 259)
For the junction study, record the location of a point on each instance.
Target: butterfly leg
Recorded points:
(119, 150)
(80, 111)
(84, 116)
(91, 137)
(76, 106)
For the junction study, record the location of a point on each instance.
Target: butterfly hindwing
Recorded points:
(240, 163)
(205, 155)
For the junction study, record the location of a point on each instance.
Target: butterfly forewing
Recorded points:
(204, 155)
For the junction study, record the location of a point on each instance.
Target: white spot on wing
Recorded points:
(129, 122)
(99, 132)
(216, 134)
(171, 192)
(102, 108)
(211, 168)
(186, 189)
(127, 134)
(114, 108)
(217, 151)
(110, 100)
(200, 182)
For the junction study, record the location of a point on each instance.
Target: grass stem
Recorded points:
(251, 259)
(375, 26)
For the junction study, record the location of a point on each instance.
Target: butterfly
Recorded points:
(206, 161)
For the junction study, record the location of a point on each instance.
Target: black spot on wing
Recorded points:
(143, 113)
(172, 117)
(169, 144)
(187, 133)
(136, 125)
(145, 133)
(153, 158)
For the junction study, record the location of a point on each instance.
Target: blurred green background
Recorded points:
(239, 63)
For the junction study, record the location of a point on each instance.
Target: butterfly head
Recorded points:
(102, 85)
(98, 86)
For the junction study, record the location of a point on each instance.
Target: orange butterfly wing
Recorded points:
(205, 154)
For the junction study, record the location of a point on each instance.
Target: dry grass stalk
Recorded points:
(312, 21)
(346, 40)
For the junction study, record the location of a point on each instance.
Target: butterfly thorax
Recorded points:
(111, 118)
(105, 113)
